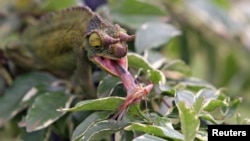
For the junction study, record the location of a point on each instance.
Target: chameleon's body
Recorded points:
(58, 34)
(68, 39)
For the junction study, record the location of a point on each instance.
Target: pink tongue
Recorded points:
(126, 77)
(128, 80)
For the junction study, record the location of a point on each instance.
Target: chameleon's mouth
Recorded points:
(109, 64)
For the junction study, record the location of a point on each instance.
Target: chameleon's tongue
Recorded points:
(110, 65)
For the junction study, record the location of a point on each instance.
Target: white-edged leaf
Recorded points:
(160, 131)
(43, 111)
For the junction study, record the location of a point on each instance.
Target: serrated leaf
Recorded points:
(185, 96)
(165, 132)
(103, 129)
(87, 123)
(189, 121)
(106, 86)
(10, 101)
(43, 111)
(162, 34)
(147, 137)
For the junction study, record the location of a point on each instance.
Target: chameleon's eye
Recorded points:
(95, 40)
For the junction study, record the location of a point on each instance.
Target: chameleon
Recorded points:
(71, 39)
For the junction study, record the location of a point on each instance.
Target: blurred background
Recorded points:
(213, 35)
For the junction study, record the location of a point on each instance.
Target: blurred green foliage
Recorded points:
(196, 53)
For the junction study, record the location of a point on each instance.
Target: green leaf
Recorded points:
(198, 105)
(210, 118)
(231, 108)
(167, 90)
(138, 12)
(119, 91)
(102, 129)
(137, 61)
(44, 112)
(10, 101)
(107, 103)
(87, 123)
(34, 136)
(211, 98)
(157, 77)
(147, 137)
(106, 86)
(213, 104)
(162, 34)
(165, 132)
(185, 96)
(126, 135)
(189, 121)
(162, 121)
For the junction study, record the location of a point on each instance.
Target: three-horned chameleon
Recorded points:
(70, 38)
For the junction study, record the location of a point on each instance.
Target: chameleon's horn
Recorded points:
(118, 50)
(125, 37)
(110, 40)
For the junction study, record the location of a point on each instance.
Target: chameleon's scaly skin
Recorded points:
(53, 38)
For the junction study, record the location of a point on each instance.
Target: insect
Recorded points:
(134, 96)
(135, 92)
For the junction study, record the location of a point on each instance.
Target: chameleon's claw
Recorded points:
(110, 40)
(125, 37)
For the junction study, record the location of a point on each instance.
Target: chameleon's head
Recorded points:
(107, 47)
